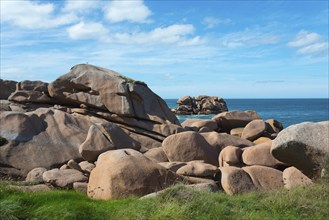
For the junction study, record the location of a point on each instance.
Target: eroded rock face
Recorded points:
(120, 173)
(42, 138)
(230, 156)
(31, 92)
(304, 146)
(188, 146)
(254, 130)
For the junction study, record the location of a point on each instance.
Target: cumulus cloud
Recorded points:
(33, 15)
(304, 38)
(211, 22)
(132, 11)
(91, 30)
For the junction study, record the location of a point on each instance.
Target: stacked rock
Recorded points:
(206, 105)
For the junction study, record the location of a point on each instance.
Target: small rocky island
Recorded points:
(200, 105)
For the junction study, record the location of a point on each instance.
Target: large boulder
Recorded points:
(235, 180)
(292, 177)
(260, 154)
(124, 172)
(42, 138)
(230, 156)
(235, 119)
(188, 146)
(219, 141)
(157, 155)
(198, 169)
(304, 146)
(63, 178)
(130, 102)
(197, 124)
(35, 175)
(103, 137)
(265, 178)
(254, 130)
(7, 87)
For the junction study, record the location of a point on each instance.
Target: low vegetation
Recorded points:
(176, 203)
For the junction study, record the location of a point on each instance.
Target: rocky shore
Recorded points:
(109, 136)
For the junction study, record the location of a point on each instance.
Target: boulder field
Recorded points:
(109, 136)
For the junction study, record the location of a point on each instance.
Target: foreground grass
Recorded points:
(177, 203)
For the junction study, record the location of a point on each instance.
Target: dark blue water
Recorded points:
(287, 111)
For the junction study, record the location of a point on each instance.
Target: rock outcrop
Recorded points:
(188, 105)
(103, 134)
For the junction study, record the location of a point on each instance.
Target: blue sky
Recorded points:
(232, 49)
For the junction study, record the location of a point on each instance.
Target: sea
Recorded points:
(287, 111)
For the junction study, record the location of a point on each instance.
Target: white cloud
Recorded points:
(33, 15)
(304, 38)
(211, 22)
(79, 6)
(248, 37)
(132, 11)
(91, 30)
(173, 34)
(317, 48)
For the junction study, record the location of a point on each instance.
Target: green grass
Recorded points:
(176, 203)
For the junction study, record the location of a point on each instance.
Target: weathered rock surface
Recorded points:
(234, 119)
(86, 166)
(157, 155)
(235, 180)
(7, 87)
(42, 138)
(230, 156)
(31, 92)
(254, 130)
(63, 178)
(219, 141)
(304, 146)
(188, 146)
(35, 175)
(188, 105)
(133, 174)
(173, 166)
(265, 178)
(293, 177)
(197, 124)
(260, 154)
(103, 137)
(198, 169)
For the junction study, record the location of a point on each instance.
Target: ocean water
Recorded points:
(287, 111)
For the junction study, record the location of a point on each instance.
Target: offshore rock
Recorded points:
(188, 105)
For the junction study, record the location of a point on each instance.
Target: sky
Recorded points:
(231, 49)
